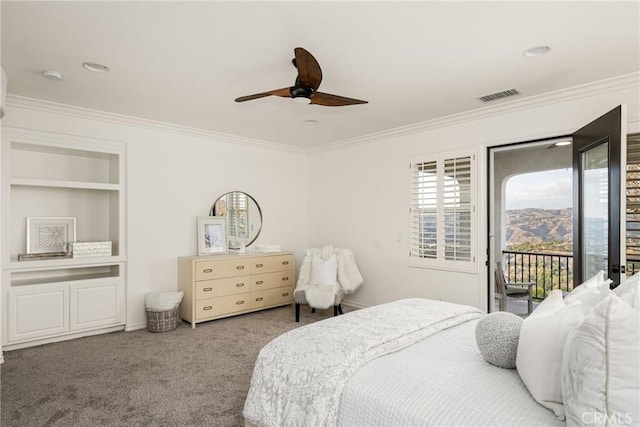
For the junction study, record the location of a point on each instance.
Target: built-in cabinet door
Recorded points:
(96, 303)
(37, 311)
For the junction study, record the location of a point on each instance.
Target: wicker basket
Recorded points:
(163, 321)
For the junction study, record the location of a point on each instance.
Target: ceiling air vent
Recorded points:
(499, 95)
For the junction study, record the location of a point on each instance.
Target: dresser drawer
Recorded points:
(221, 287)
(223, 305)
(271, 263)
(214, 269)
(271, 280)
(270, 297)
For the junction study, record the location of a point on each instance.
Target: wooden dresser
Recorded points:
(219, 286)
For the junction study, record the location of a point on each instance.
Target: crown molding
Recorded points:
(622, 82)
(576, 92)
(16, 101)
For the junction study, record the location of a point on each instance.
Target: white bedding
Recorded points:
(440, 381)
(299, 376)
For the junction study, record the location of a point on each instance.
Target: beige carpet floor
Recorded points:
(186, 377)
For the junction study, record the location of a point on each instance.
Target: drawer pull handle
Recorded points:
(207, 289)
(208, 307)
(239, 285)
(285, 278)
(240, 267)
(285, 262)
(259, 265)
(286, 294)
(207, 270)
(259, 282)
(239, 302)
(259, 299)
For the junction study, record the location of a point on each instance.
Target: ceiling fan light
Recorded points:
(301, 100)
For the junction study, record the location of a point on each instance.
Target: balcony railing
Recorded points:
(548, 270)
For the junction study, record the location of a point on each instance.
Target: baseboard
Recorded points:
(67, 337)
(135, 326)
(353, 304)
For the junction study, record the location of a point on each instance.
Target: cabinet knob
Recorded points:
(259, 282)
(207, 270)
(239, 302)
(259, 265)
(286, 294)
(259, 299)
(207, 289)
(285, 262)
(285, 278)
(208, 307)
(239, 285)
(240, 267)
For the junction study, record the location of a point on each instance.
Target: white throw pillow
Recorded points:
(591, 292)
(497, 338)
(324, 272)
(629, 291)
(539, 357)
(600, 367)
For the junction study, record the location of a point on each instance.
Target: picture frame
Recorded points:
(50, 234)
(212, 235)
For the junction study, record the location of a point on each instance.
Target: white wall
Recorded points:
(362, 203)
(172, 178)
(353, 196)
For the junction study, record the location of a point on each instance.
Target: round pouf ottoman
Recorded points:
(497, 338)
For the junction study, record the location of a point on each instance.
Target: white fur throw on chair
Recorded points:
(349, 277)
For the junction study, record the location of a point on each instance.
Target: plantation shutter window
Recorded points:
(442, 211)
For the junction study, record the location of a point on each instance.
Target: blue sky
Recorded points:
(547, 190)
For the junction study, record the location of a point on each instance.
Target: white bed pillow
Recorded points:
(540, 346)
(629, 291)
(591, 292)
(543, 336)
(324, 272)
(600, 372)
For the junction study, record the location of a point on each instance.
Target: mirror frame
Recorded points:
(212, 212)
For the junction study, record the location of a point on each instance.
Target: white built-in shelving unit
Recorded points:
(55, 175)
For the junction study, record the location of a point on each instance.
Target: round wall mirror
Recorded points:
(243, 218)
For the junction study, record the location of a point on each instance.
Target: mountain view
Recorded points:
(539, 230)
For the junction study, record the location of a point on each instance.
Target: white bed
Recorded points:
(440, 381)
(411, 362)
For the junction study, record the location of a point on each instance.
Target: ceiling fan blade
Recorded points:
(284, 92)
(320, 98)
(309, 72)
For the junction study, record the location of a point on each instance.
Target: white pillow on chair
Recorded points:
(324, 272)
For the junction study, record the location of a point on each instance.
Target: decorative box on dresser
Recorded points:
(218, 286)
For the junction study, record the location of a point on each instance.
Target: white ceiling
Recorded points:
(186, 62)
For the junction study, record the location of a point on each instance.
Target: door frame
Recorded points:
(490, 236)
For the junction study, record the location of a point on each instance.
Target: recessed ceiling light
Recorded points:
(96, 68)
(311, 122)
(52, 75)
(536, 51)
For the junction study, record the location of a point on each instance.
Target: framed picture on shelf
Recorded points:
(212, 235)
(50, 234)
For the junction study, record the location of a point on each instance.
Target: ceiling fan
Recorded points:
(305, 89)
